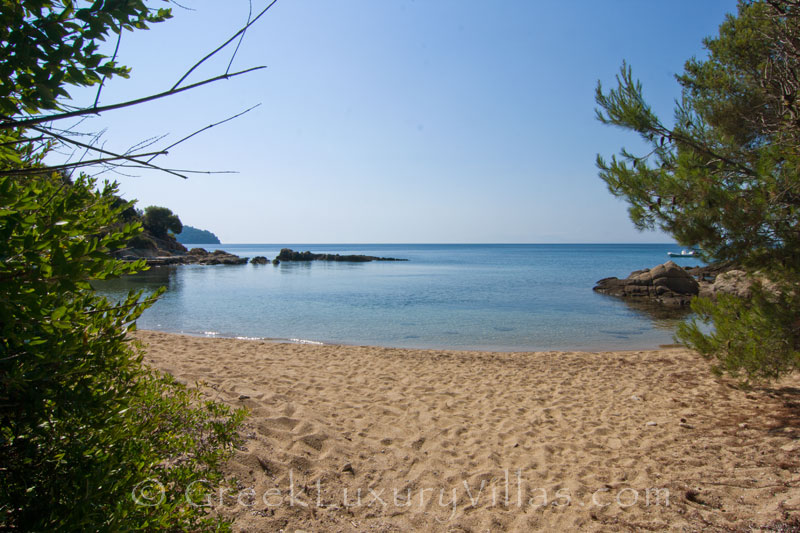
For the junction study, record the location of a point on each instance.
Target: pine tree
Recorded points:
(724, 178)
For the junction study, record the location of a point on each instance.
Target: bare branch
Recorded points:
(9, 124)
(95, 139)
(206, 128)
(56, 168)
(223, 45)
(241, 38)
(23, 140)
(146, 143)
(186, 171)
(113, 58)
(115, 156)
(183, 6)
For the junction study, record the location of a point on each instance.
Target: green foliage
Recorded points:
(46, 44)
(160, 220)
(724, 178)
(84, 423)
(90, 438)
(749, 336)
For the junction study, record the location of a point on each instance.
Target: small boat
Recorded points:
(684, 253)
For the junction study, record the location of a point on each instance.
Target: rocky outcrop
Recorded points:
(259, 260)
(146, 246)
(673, 286)
(667, 284)
(195, 256)
(736, 282)
(290, 255)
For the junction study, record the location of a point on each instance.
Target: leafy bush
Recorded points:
(90, 438)
(83, 423)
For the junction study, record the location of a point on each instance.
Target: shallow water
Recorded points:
(486, 297)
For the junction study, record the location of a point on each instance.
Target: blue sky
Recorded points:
(401, 121)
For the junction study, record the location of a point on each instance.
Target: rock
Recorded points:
(276, 262)
(740, 284)
(259, 260)
(288, 254)
(733, 282)
(198, 256)
(348, 469)
(668, 284)
(651, 423)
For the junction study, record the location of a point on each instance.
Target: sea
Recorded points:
(499, 297)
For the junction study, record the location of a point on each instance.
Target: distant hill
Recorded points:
(191, 235)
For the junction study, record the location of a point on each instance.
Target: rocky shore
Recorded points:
(168, 251)
(287, 254)
(173, 253)
(197, 256)
(671, 285)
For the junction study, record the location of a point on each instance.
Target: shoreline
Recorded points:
(354, 438)
(478, 350)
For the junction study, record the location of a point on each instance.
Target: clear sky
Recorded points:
(386, 121)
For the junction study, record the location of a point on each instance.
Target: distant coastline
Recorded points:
(192, 235)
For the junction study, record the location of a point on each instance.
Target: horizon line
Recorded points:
(439, 243)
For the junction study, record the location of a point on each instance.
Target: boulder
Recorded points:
(740, 284)
(733, 282)
(259, 260)
(667, 284)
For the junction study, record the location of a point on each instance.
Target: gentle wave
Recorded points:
(306, 341)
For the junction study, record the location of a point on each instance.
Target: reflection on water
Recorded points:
(149, 281)
(498, 297)
(664, 317)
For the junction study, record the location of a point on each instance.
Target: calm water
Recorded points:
(488, 297)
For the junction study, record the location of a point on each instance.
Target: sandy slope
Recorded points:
(468, 441)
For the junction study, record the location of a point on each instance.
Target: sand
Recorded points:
(350, 438)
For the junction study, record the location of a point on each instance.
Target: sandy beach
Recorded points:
(350, 438)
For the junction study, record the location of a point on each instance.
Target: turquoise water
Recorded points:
(484, 297)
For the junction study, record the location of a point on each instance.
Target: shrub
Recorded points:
(83, 423)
